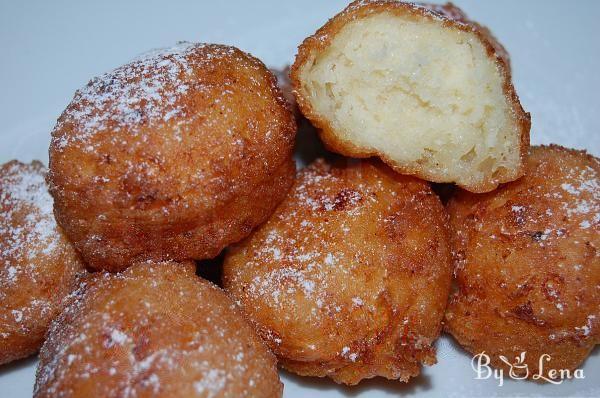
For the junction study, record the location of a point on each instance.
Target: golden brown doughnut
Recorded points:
(419, 86)
(528, 265)
(38, 265)
(350, 276)
(172, 156)
(155, 330)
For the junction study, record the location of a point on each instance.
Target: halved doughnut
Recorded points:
(420, 86)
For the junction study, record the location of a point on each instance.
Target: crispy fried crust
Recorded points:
(527, 263)
(172, 156)
(349, 278)
(38, 265)
(155, 330)
(448, 15)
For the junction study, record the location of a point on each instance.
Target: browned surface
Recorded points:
(527, 263)
(38, 266)
(172, 156)
(449, 16)
(350, 276)
(156, 330)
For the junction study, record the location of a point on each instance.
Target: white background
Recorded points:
(48, 49)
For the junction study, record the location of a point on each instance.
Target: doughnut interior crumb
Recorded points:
(423, 95)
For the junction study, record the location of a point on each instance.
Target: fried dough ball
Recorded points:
(38, 265)
(350, 276)
(528, 265)
(155, 330)
(420, 86)
(172, 156)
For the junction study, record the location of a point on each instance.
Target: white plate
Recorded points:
(49, 49)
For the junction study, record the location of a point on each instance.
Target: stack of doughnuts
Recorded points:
(344, 269)
(162, 161)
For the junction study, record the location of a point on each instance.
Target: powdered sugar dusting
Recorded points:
(584, 189)
(161, 331)
(27, 208)
(37, 264)
(572, 196)
(326, 258)
(586, 330)
(133, 97)
(28, 230)
(543, 234)
(305, 268)
(212, 384)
